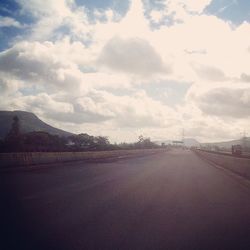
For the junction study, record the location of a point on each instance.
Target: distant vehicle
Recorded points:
(236, 149)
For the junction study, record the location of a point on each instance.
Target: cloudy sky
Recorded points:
(123, 68)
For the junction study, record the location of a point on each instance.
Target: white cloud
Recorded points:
(40, 8)
(179, 10)
(8, 85)
(132, 56)
(232, 102)
(99, 109)
(34, 63)
(209, 73)
(194, 5)
(53, 17)
(91, 75)
(156, 15)
(9, 22)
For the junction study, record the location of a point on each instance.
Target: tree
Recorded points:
(13, 140)
(15, 128)
(145, 143)
(43, 141)
(140, 139)
(102, 143)
(82, 141)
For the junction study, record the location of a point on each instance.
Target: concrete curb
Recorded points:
(103, 159)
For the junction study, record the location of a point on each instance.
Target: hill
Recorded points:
(188, 142)
(191, 142)
(228, 144)
(29, 122)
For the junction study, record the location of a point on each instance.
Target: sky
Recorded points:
(127, 68)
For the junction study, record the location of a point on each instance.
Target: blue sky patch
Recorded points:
(236, 11)
(120, 6)
(8, 34)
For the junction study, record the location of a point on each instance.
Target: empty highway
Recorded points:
(170, 200)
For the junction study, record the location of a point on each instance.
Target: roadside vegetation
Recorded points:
(39, 141)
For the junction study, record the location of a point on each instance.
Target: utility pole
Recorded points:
(244, 140)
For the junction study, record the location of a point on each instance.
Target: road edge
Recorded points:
(242, 180)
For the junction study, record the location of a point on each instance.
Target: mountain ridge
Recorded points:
(29, 122)
(228, 144)
(188, 142)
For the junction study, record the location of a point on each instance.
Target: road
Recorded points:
(170, 200)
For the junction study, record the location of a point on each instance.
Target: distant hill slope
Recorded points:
(228, 144)
(28, 122)
(191, 142)
(188, 142)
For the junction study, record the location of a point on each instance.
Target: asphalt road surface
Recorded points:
(170, 200)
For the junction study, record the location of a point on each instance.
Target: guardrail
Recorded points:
(237, 164)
